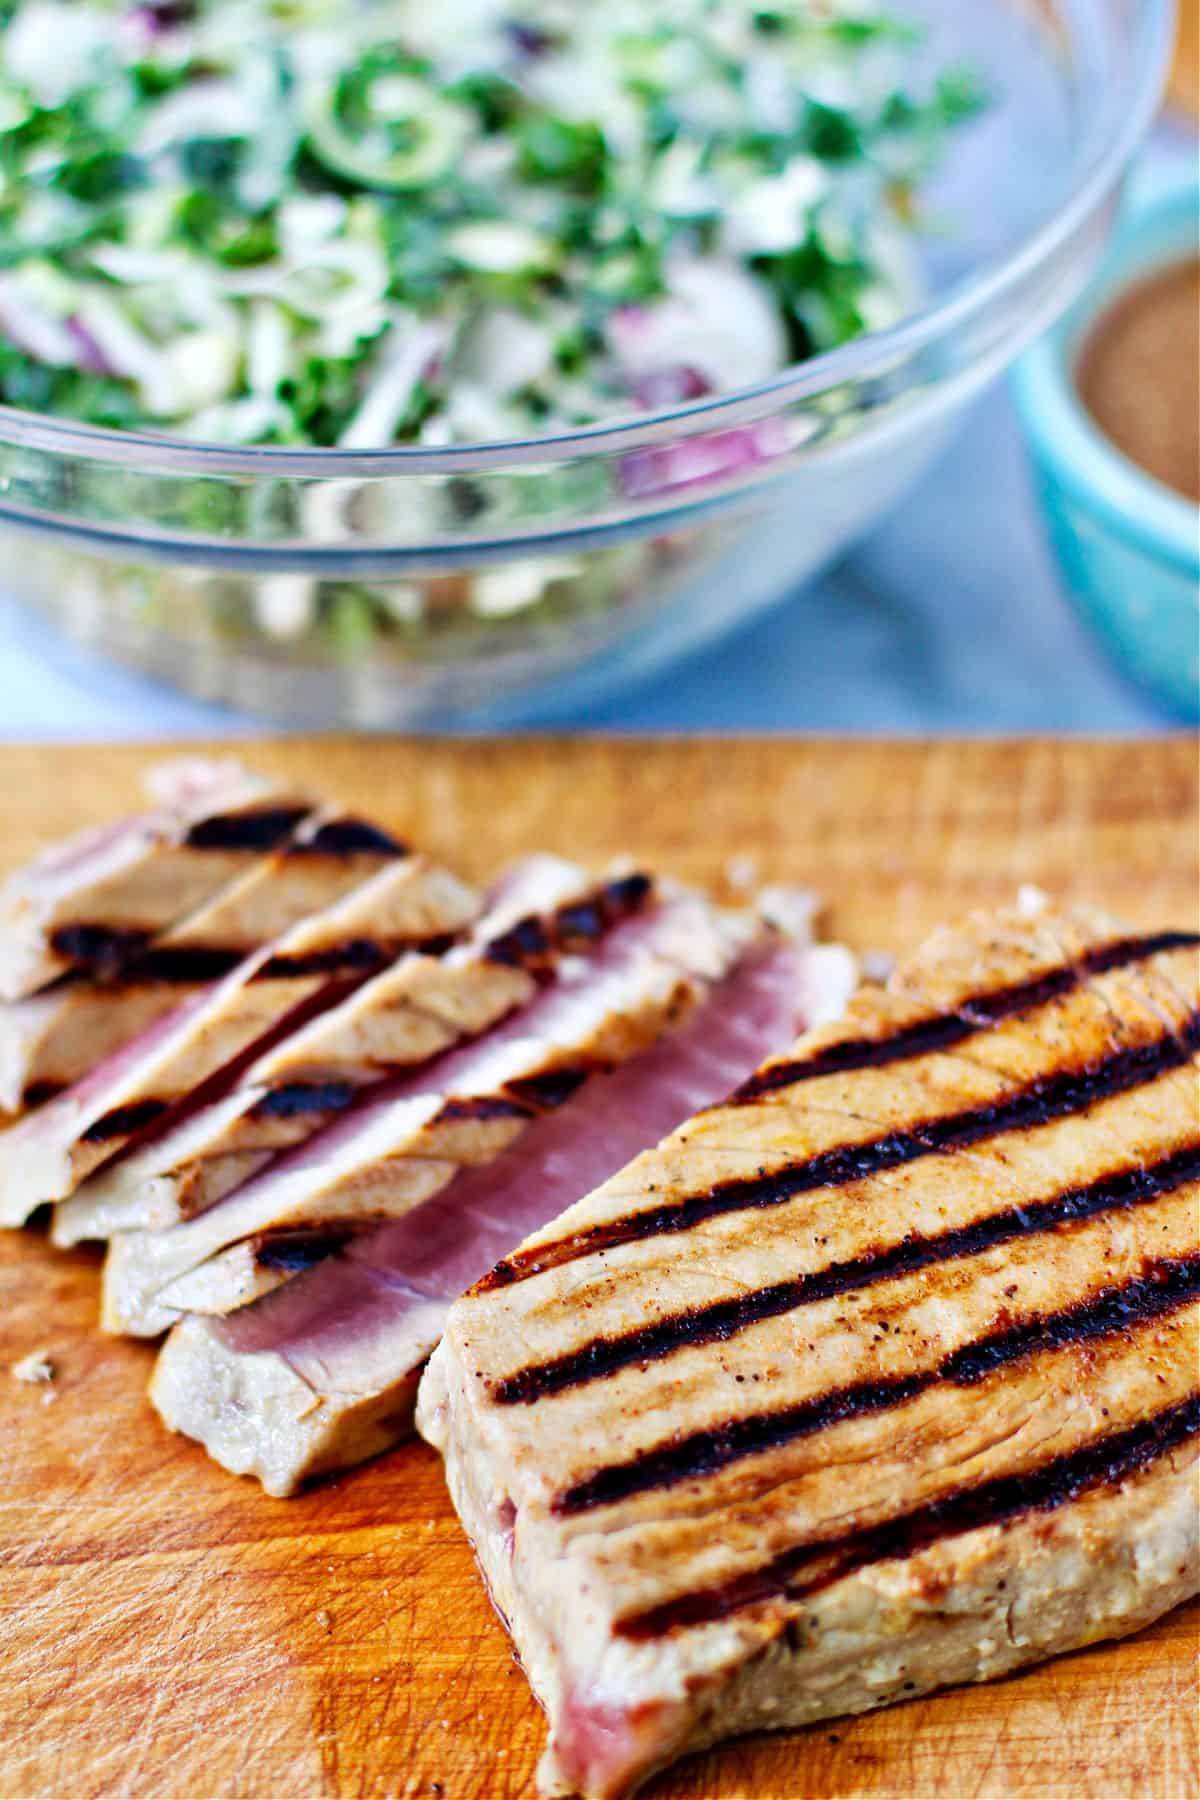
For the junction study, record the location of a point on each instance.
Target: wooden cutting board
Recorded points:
(166, 1630)
(1184, 84)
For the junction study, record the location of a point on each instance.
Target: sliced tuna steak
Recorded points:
(914, 1315)
(323, 1373)
(51, 1040)
(47, 1155)
(95, 901)
(542, 911)
(406, 1141)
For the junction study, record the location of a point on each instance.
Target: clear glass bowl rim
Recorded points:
(1111, 139)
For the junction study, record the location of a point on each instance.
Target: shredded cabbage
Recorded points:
(336, 223)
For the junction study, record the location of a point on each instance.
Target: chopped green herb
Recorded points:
(554, 149)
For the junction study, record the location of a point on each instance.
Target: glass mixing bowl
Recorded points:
(477, 584)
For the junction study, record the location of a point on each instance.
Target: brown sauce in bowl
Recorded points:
(1139, 376)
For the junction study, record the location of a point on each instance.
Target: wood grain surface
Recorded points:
(1184, 86)
(166, 1630)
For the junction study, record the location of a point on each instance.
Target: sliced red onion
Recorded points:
(670, 387)
(157, 16)
(91, 356)
(627, 329)
(528, 39)
(664, 468)
(33, 330)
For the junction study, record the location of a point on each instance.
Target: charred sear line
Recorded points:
(194, 965)
(1041, 1102)
(1162, 1288)
(946, 1030)
(436, 945)
(524, 944)
(628, 894)
(723, 1319)
(942, 1032)
(123, 1121)
(807, 1568)
(296, 1099)
(522, 1098)
(356, 955)
(533, 942)
(355, 958)
(39, 1093)
(184, 964)
(1103, 957)
(262, 829)
(292, 1252)
(1165, 1286)
(483, 1107)
(349, 837)
(103, 950)
(550, 1089)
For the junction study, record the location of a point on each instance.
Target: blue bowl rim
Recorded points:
(1066, 440)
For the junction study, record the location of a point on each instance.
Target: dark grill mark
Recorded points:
(293, 1252)
(582, 921)
(522, 1098)
(296, 1099)
(482, 1107)
(723, 1319)
(945, 1030)
(1165, 1285)
(1040, 1102)
(549, 1090)
(528, 941)
(123, 1121)
(348, 837)
(263, 829)
(195, 965)
(807, 1568)
(39, 1093)
(628, 894)
(357, 956)
(103, 950)
(1162, 1289)
(185, 964)
(433, 946)
(533, 943)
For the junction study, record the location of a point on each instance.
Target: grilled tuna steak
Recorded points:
(541, 912)
(47, 1155)
(323, 1373)
(52, 1039)
(881, 1376)
(95, 901)
(408, 1140)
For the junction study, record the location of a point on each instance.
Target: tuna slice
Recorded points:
(96, 900)
(323, 1373)
(52, 1039)
(881, 1376)
(414, 1010)
(47, 1155)
(406, 1140)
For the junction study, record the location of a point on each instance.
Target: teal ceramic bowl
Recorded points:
(1129, 548)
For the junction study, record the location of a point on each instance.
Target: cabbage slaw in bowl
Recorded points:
(302, 222)
(393, 585)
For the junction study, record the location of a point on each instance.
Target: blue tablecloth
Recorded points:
(950, 617)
